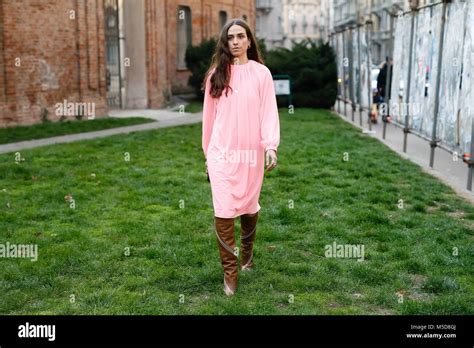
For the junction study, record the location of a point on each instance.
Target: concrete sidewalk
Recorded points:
(452, 173)
(164, 118)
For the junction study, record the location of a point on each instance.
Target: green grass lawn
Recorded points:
(52, 129)
(157, 206)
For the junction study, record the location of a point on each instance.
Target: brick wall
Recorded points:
(47, 61)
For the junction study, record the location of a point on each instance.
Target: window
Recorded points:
(222, 18)
(184, 34)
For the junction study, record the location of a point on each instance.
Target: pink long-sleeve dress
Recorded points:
(237, 129)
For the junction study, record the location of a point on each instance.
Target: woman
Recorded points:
(240, 129)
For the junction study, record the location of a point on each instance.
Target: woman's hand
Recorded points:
(270, 159)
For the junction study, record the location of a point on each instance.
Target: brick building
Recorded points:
(91, 55)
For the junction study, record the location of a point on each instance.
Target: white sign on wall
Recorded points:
(282, 87)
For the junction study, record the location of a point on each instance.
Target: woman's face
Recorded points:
(237, 40)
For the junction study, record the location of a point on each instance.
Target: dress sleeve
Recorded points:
(269, 120)
(208, 115)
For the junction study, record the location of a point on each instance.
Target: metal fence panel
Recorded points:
(340, 68)
(425, 53)
(448, 128)
(364, 58)
(402, 29)
(355, 65)
(455, 117)
(467, 87)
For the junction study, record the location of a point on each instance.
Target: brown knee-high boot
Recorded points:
(248, 224)
(228, 253)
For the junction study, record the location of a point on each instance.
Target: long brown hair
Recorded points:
(222, 58)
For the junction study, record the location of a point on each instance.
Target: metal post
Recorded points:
(369, 70)
(406, 129)
(331, 43)
(470, 162)
(433, 142)
(388, 85)
(351, 71)
(359, 92)
(338, 75)
(344, 72)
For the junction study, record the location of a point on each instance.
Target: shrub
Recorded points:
(312, 69)
(198, 59)
(313, 73)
